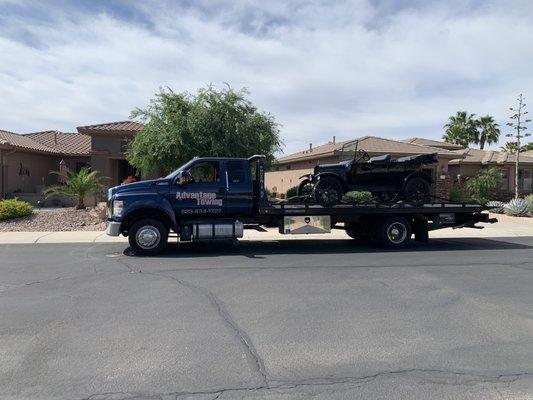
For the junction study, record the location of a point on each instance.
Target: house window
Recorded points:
(288, 166)
(524, 179)
(505, 180)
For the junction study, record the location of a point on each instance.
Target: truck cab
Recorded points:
(225, 189)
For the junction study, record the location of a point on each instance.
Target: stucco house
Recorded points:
(27, 159)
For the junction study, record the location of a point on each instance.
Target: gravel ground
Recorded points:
(58, 219)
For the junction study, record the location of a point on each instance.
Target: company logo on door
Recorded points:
(202, 198)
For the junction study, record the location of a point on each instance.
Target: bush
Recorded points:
(458, 194)
(529, 202)
(516, 208)
(484, 186)
(292, 192)
(14, 208)
(495, 206)
(357, 197)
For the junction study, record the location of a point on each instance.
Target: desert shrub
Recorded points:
(516, 208)
(292, 192)
(484, 186)
(357, 197)
(14, 208)
(495, 206)
(458, 194)
(529, 202)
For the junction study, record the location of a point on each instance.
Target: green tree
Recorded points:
(484, 186)
(76, 186)
(461, 129)
(510, 147)
(215, 123)
(526, 147)
(488, 131)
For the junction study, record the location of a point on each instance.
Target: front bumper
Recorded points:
(113, 228)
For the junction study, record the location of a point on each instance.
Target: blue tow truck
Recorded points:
(212, 198)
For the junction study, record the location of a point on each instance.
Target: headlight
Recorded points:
(118, 205)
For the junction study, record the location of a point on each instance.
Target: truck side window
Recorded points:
(236, 172)
(205, 172)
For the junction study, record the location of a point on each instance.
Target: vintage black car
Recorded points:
(388, 179)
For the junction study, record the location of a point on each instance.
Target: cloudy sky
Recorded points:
(389, 68)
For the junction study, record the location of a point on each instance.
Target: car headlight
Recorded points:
(118, 206)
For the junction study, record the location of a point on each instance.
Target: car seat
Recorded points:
(379, 159)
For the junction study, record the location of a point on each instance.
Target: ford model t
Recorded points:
(386, 178)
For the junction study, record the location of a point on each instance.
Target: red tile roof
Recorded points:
(63, 142)
(111, 127)
(14, 140)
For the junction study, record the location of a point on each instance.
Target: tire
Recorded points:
(305, 190)
(395, 233)
(148, 236)
(416, 190)
(354, 230)
(328, 191)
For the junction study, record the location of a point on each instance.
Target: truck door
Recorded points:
(239, 188)
(201, 191)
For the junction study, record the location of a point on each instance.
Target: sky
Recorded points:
(387, 68)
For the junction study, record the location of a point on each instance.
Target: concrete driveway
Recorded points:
(292, 320)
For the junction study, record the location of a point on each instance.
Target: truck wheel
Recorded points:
(148, 237)
(395, 232)
(328, 191)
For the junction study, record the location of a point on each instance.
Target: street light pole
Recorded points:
(518, 125)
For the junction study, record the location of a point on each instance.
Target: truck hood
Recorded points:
(135, 187)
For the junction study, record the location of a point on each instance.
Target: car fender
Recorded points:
(332, 175)
(134, 202)
(307, 176)
(418, 174)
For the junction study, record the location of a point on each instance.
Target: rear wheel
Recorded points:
(148, 236)
(395, 232)
(354, 231)
(417, 190)
(328, 191)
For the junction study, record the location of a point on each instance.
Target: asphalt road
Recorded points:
(290, 320)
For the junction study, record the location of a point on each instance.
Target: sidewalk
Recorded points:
(506, 227)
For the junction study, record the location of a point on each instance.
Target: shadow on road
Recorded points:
(257, 249)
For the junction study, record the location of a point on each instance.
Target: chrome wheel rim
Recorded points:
(397, 232)
(148, 237)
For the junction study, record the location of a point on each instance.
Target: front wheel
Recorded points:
(148, 237)
(305, 190)
(328, 191)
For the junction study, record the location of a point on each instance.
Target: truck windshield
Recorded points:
(182, 168)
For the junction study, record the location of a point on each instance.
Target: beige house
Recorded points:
(287, 170)
(27, 159)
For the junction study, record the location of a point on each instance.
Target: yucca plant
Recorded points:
(516, 208)
(529, 202)
(495, 206)
(77, 185)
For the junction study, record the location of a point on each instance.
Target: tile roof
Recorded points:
(371, 144)
(49, 142)
(14, 140)
(111, 127)
(487, 157)
(528, 153)
(433, 143)
(63, 142)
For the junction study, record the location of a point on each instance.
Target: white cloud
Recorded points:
(344, 69)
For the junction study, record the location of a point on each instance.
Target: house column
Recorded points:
(443, 185)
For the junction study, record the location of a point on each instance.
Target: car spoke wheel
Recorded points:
(305, 190)
(417, 190)
(328, 191)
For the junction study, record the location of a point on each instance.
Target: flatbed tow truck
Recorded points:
(217, 198)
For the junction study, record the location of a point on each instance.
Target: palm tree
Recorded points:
(510, 147)
(461, 129)
(488, 131)
(77, 185)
